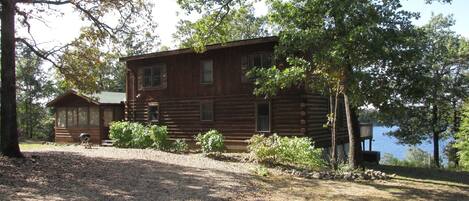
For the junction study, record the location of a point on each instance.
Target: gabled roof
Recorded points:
(104, 97)
(208, 47)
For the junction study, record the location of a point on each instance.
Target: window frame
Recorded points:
(247, 63)
(152, 69)
(61, 110)
(74, 111)
(87, 110)
(201, 72)
(98, 109)
(212, 106)
(270, 116)
(157, 105)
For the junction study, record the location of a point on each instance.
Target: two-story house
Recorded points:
(193, 92)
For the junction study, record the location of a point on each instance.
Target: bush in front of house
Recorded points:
(121, 134)
(210, 142)
(141, 137)
(179, 146)
(135, 135)
(159, 137)
(291, 151)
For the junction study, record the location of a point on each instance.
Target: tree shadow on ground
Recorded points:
(70, 176)
(426, 174)
(55, 175)
(406, 192)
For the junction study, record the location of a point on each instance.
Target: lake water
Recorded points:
(387, 144)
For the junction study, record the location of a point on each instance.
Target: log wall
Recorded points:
(293, 113)
(72, 135)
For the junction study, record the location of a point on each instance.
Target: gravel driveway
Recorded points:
(106, 173)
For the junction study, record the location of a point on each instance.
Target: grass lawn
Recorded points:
(33, 145)
(104, 173)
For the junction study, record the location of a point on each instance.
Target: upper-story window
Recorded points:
(152, 77)
(258, 59)
(206, 72)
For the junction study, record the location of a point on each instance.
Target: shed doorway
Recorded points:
(108, 115)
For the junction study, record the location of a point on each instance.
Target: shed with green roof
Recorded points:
(77, 113)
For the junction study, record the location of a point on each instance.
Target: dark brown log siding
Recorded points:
(72, 135)
(317, 110)
(292, 114)
(234, 116)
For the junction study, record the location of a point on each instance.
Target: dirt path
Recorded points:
(74, 173)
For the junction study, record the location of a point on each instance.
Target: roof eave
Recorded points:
(208, 47)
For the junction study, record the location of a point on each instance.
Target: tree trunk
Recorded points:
(30, 119)
(357, 137)
(351, 155)
(333, 109)
(436, 136)
(9, 133)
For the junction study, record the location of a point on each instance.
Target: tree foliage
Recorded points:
(110, 22)
(428, 94)
(221, 21)
(462, 139)
(239, 24)
(34, 89)
(330, 45)
(90, 63)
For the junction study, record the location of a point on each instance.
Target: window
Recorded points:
(71, 117)
(107, 116)
(263, 117)
(152, 76)
(83, 116)
(61, 117)
(206, 72)
(260, 59)
(153, 112)
(206, 111)
(94, 116)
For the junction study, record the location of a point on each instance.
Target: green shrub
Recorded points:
(179, 146)
(264, 149)
(262, 171)
(462, 139)
(415, 157)
(159, 137)
(136, 135)
(121, 134)
(211, 142)
(294, 151)
(140, 136)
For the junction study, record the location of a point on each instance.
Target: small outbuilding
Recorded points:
(77, 113)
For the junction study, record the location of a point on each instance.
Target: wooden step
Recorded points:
(106, 143)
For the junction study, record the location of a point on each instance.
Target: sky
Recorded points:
(62, 29)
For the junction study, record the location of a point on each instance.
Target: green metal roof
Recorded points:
(107, 97)
(104, 97)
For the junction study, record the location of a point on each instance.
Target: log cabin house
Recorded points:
(194, 92)
(92, 114)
